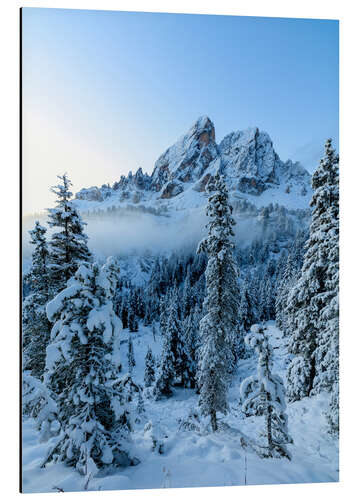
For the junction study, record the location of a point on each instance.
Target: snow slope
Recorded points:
(192, 458)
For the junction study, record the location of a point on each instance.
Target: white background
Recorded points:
(346, 12)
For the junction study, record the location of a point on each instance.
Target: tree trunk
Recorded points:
(214, 421)
(270, 441)
(268, 421)
(312, 375)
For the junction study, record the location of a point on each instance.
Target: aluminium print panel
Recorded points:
(180, 241)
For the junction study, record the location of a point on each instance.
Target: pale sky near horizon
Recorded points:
(106, 92)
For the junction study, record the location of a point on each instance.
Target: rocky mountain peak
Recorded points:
(186, 160)
(246, 159)
(203, 130)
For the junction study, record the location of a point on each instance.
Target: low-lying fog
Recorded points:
(128, 233)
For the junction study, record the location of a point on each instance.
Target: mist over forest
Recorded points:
(142, 233)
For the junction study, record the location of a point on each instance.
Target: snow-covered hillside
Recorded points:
(197, 458)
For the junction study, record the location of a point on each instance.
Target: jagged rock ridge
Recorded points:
(246, 159)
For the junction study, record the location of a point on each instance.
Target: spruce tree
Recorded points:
(38, 404)
(218, 328)
(35, 326)
(313, 302)
(190, 327)
(190, 338)
(111, 273)
(269, 294)
(149, 377)
(140, 408)
(132, 319)
(327, 351)
(175, 367)
(263, 394)
(187, 298)
(246, 312)
(183, 362)
(131, 358)
(81, 374)
(332, 415)
(288, 280)
(147, 316)
(124, 315)
(163, 314)
(166, 371)
(68, 244)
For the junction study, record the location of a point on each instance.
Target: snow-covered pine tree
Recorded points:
(327, 352)
(190, 327)
(149, 377)
(298, 248)
(266, 297)
(166, 373)
(131, 357)
(139, 303)
(39, 405)
(333, 413)
(269, 297)
(184, 364)
(257, 304)
(175, 367)
(140, 408)
(312, 310)
(288, 280)
(81, 374)
(263, 394)
(218, 328)
(187, 299)
(132, 319)
(35, 326)
(124, 314)
(147, 316)
(280, 265)
(246, 311)
(111, 272)
(163, 314)
(68, 244)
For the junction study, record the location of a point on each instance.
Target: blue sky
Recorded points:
(107, 92)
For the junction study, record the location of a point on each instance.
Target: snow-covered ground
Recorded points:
(191, 199)
(191, 458)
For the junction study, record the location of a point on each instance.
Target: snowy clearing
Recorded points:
(190, 458)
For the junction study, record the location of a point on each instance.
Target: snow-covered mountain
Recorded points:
(252, 170)
(165, 211)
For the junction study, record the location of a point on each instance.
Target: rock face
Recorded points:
(249, 158)
(246, 159)
(251, 165)
(187, 160)
(90, 194)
